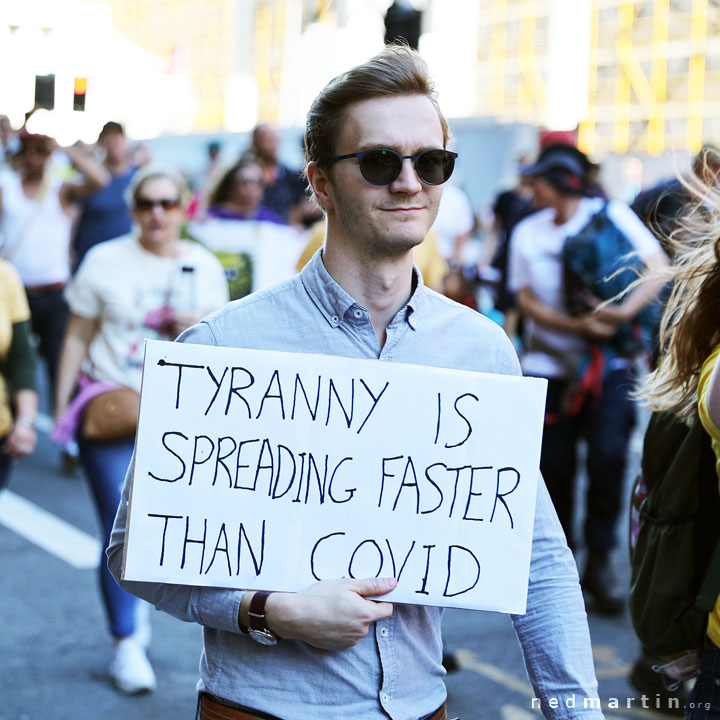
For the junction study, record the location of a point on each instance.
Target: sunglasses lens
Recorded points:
(145, 205)
(435, 167)
(380, 167)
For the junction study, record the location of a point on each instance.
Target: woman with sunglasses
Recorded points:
(145, 285)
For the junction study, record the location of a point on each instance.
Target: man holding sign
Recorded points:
(376, 163)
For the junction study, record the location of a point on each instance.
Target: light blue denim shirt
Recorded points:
(396, 670)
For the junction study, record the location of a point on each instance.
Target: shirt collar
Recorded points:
(333, 302)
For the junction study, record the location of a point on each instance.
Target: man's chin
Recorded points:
(400, 245)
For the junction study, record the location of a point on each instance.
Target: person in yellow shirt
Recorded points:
(686, 380)
(431, 264)
(18, 398)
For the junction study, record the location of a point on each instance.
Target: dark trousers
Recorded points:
(704, 700)
(49, 313)
(5, 465)
(607, 424)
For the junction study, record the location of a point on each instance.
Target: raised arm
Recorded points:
(95, 175)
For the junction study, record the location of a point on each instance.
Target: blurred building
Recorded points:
(253, 60)
(651, 69)
(634, 76)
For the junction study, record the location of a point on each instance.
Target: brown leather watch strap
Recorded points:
(256, 612)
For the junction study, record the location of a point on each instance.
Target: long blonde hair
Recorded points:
(690, 326)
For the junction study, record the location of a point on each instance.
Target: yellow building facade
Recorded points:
(653, 71)
(652, 66)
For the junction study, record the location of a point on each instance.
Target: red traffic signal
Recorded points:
(79, 93)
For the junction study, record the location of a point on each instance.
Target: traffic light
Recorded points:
(45, 91)
(402, 22)
(79, 94)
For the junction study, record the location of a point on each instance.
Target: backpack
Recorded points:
(674, 537)
(600, 262)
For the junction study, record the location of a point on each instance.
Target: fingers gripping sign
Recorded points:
(332, 614)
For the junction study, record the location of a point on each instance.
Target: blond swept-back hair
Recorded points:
(690, 326)
(396, 70)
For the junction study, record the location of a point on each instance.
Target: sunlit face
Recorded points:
(159, 225)
(388, 220)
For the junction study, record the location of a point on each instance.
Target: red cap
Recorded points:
(557, 137)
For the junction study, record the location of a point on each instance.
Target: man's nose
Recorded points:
(407, 181)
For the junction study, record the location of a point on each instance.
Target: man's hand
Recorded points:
(331, 615)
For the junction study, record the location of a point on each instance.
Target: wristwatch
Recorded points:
(258, 630)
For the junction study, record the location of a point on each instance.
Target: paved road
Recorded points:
(54, 649)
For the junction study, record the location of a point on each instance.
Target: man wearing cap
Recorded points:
(557, 347)
(37, 208)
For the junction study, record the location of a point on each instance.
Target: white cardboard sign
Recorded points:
(269, 470)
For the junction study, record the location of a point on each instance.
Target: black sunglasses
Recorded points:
(145, 205)
(383, 166)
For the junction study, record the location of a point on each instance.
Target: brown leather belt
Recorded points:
(209, 709)
(44, 289)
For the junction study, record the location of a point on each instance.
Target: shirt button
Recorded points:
(384, 632)
(385, 697)
(335, 320)
(358, 313)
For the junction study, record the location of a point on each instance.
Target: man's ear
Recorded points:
(320, 183)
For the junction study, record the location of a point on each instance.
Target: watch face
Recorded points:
(264, 637)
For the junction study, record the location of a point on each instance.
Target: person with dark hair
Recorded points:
(509, 208)
(377, 160)
(254, 245)
(589, 380)
(104, 214)
(283, 188)
(239, 193)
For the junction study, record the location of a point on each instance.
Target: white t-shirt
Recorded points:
(132, 293)
(536, 263)
(455, 218)
(35, 231)
(266, 251)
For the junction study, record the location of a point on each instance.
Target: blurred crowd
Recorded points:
(101, 249)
